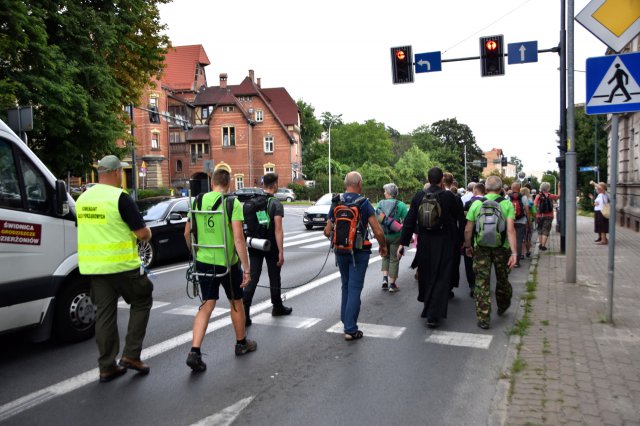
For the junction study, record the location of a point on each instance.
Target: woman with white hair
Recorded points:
(388, 211)
(544, 213)
(601, 223)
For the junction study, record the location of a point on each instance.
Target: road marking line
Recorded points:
(478, 341)
(372, 330)
(227, 416)
(295, 243)
(290, 321)
(156, 304)
(192, 310)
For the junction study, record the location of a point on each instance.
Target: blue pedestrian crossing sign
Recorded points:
(428, 62)
(612, 84)
(523, 52)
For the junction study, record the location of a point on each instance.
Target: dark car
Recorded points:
(316, 215)
(167, 218)
(244, 194)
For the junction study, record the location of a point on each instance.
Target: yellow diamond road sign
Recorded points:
(615, 22)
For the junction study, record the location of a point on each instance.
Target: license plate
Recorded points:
(318, 219)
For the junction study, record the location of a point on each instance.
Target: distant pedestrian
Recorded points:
(601, 223)
(273, 232)
(478, 194)
(469, 193)
(354, 262)
(526, 193)
(451, 185)
(436, 245)
(109, 223)
(544, 213)
(219, 265)
(493, 244)
(392, 211)
(521, 209)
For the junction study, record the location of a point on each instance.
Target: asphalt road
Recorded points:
(303, 371)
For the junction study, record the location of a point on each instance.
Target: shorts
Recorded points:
(544, 225)
(210, 285)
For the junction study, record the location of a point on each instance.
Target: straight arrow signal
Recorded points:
(522, 52)
(422, 62)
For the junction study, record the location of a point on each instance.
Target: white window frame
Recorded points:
(230, 136)
(268, 144)
(239, 181)
(259, 115)
(155, 141)
(269, 168)
(228, 108)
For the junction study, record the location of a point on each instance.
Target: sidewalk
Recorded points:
(575, 369)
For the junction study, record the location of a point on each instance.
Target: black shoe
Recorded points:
(483, 325)
(528, 254)
(111, 373)
(471, 293)
(432, 322)
(501, 311)
(543, 248)
(194, 360)
(385, 285)
(247, 322)
(247, 347)
(279, 311)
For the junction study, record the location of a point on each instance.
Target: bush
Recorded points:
(146, 193)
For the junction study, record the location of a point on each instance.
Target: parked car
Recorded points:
(317, 214)
(244, 194)
(285, 194)
(88, 185)
(167, 218)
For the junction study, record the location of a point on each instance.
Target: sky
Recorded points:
(335, 56)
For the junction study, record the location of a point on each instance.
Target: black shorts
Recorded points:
(210, 285)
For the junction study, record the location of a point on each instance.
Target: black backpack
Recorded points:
(545, 205)
(257, 216)
(430, 211)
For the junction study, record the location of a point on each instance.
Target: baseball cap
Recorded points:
(222, 166)
(110, 163)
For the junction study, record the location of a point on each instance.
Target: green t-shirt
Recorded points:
(400, 214)
(505, 205)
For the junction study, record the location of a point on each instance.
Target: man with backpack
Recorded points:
(544, 213)
(478, 194)
(521, 209)
(490, 237)
(435, 212)
(263, 219)
(347, 227)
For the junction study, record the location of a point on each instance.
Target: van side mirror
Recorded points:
(61, 200)
(174, 217)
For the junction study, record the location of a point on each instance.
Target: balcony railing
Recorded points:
(179, 148)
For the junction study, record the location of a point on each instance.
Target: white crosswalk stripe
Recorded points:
(289, 321)
(307, 240)
(191, 311)
(156, 304)
(478, 341)
(372, 330)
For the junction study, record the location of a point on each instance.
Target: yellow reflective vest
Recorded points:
(106, 245)
(209, 231)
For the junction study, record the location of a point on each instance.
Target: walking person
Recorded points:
(221, 266)
(437, 241)
(601, 223)
(544, 213)
(451, 185)
(352, 256)
(526, 194)
(392, 210)
(520, 207)
(478, 194)
(274, 256)
(109, 223)
(491, 245)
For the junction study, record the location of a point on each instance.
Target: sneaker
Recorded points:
(194, 360)
(393, 288)
(385, 286)
(483, 325)
(249, 346)
(279, 311)
(543, 248)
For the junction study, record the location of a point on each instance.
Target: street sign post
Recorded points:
(615, 23)
(522, 52)
(428, 62)
(588, 169)
(613, 84)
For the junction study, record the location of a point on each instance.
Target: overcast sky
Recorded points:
(335, 56)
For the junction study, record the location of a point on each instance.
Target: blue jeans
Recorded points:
(352, 276)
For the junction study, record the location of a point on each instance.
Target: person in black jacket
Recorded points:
(435, 251)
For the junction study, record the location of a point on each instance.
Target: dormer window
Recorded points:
(259, 115)
(228, 108)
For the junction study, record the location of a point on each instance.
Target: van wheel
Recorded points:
(147, 253)
(75, 314)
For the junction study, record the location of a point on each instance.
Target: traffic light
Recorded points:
(402, 65)
(492, 55)
(154, 117)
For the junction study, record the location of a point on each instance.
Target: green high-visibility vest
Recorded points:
(106, 245)
(209, 229)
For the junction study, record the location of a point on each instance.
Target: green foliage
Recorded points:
(412, 168)
(355, 144)
(310, 130)
(78, 63)
(156, 192)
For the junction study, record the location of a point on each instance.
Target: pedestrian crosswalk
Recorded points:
(312, 241)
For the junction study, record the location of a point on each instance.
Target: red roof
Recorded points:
(198, 133)
(283, 104)
(180, 66)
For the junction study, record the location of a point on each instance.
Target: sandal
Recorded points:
(353, 336)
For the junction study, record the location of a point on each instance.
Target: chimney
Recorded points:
(223, 80)
(251, 75)
(258, 83)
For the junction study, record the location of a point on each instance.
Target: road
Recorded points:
(303, 371)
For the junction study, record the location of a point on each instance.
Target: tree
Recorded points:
(78, 63)
(412, 168)
(516, 162)
(591, 142)
(326, 118)
(355, 144)
(311, 129)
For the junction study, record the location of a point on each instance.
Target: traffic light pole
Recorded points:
(561, 218)
(569, 191)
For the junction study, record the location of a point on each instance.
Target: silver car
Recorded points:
(285, 194)
(317, 214)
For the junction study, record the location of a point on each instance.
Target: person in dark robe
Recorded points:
(451, 185)
(435, 251)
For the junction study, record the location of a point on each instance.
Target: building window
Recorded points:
(228, 109)
(155, 141)
(239, 181)
(204, 113)
(269, 168)
(245, 98)
(268, 144)
(153, 101)
(179, 166)
(177, 137)
(228, 136)
(259, 115)
(198, 151)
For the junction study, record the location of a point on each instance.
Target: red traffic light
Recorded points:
(491, 45)
(401, 55)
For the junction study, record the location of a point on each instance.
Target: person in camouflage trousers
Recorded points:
(504, 257)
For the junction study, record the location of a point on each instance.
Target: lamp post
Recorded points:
(334, 118)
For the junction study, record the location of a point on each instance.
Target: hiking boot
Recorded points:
(393, 288)
(483, 325)
(279, 311)
(385, 286)
(249, 346)
(194, 360)
(134, 364)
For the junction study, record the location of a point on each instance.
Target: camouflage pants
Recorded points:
(483, 258)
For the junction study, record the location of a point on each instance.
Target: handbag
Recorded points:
(605, 209)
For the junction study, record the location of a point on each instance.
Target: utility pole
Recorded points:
(134, 193)
(569, 189)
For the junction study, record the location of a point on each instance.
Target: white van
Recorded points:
(41, 289)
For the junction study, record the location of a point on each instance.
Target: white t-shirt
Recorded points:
(600, 200)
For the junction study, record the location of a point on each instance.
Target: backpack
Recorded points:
(430, 212)
(348, 232)
(386, 217)
(257, 218)
(544, 205)
(516, 200)
(490, 226)
(198, 203)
